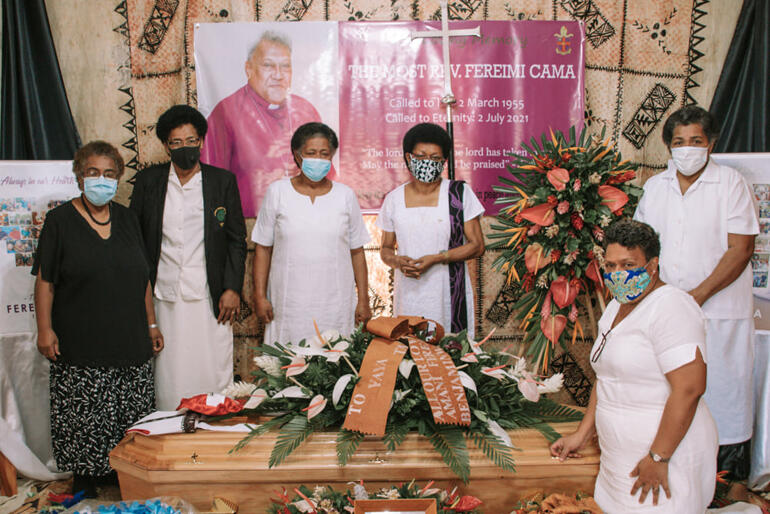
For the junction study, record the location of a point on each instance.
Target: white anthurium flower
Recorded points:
(467, 381)
(528, 387)
(238, 389)
(469, 357)
(405, 367)
(399, 395)
(500, 433)
(430, 492)
(331, 335)
(339, 387)
(269, 364)
(337, 351)
(297, 367)
(303, 506)
(316, 406)
(307, 351)
(290, 392)
(495, 372)
(255, 398)
(359, 491)
(552, 384)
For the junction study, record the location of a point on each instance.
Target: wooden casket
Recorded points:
(198, 467)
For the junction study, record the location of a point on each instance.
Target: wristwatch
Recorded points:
(657, 458)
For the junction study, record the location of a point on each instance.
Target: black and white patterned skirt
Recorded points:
(91, 407)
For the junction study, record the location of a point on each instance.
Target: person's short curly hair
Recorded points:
(687, 116)
(101, 148)
(427, 133)
(310, 130)
(177, 116)
(633, 234)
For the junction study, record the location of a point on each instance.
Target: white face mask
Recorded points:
(689, 159)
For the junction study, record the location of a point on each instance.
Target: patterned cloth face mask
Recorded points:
(426, 170)
(627, 285)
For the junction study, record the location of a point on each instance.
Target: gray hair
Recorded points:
(270, 36)
(688, 115)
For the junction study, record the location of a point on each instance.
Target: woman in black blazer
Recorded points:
(195, 238)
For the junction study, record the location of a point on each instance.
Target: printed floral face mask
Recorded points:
(627, 285)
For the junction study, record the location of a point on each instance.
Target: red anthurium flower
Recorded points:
(558, 177)
(536, 258)
(466, 504)
(595, 273)
(564, 292)
(542, 214)
(612, 197)
(553, 326)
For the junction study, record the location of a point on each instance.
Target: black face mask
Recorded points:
(186, 157)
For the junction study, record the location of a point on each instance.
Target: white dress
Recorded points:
(311, 272)
(423, 231)
(660, 335)
(198, 353)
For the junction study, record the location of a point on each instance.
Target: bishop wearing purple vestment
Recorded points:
(250, 131)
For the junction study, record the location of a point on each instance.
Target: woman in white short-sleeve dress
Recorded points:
(309, 263)
(657, 438)
(430, 228)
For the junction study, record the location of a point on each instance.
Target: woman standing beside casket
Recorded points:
(309, 263)
(195, 237)
(430, 227)
(95, 318)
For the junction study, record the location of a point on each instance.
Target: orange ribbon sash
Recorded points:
(441, 383)
(372, 395)
(370, 403)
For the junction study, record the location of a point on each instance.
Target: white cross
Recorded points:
(445, 34)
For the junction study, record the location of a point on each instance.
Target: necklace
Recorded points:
(102, 223)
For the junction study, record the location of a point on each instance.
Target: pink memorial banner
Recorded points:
(514, 82)
(371, 82)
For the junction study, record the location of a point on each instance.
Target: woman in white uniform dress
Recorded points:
(309, 263)
(657, 437)
(430, 227)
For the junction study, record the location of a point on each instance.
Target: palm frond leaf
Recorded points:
(347, 444)
(495, 450)
(292, 434)
(449, 442)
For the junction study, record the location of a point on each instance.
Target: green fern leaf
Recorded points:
(495, 450)
(449, 442)
(552, 412)
(347, 444)
(291, 436)
(258, 431)
(395, 435)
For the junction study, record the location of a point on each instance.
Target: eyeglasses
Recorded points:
(598, 352)
(94, 173)
(179, 143)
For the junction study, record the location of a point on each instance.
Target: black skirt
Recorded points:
(91, 408)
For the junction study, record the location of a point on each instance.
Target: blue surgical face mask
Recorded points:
(627, 285)
(315, 169)
(99, 190)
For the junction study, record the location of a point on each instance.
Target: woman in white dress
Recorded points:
(430, 227)
(655, 431)
(309, 263)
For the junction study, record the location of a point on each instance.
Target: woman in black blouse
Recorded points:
(95, 318)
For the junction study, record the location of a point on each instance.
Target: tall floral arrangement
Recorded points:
(558, 199)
